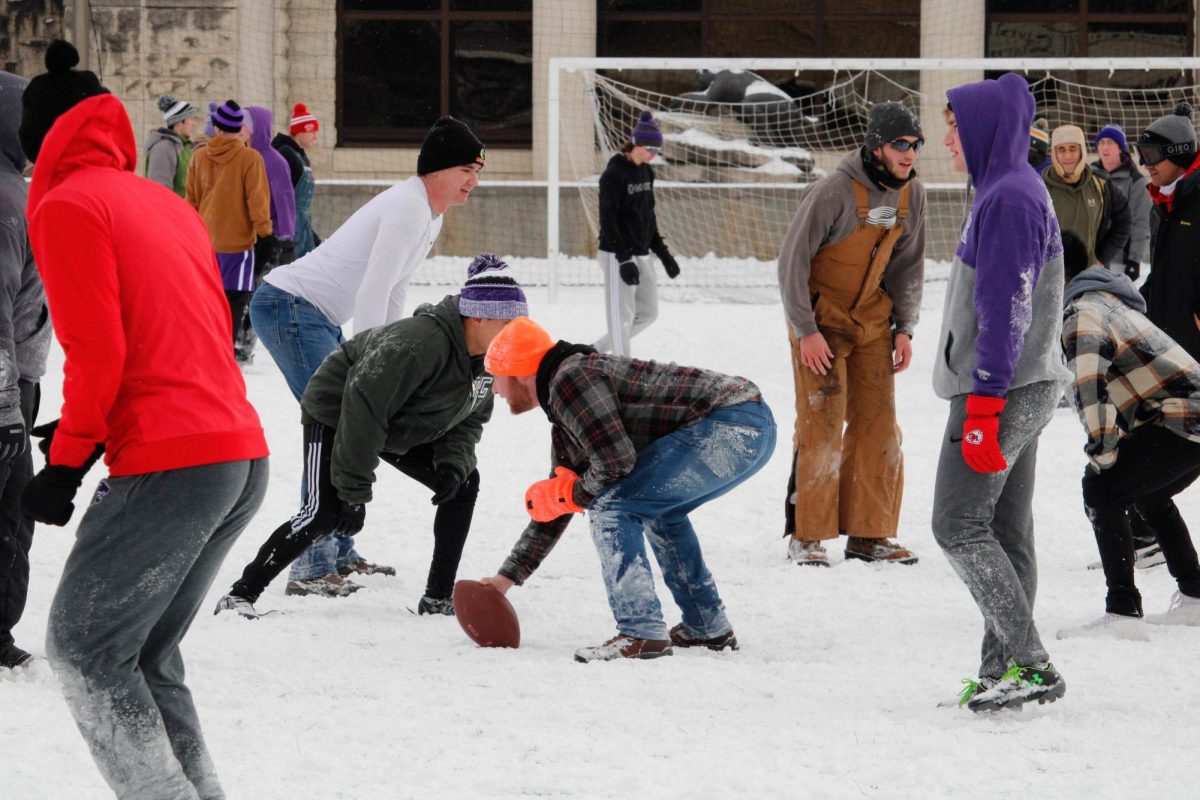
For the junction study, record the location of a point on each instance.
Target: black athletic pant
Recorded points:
(1153, 465)
(238, 303)
(318, 517)
(16, 530)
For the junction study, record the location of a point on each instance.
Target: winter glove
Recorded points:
(664, 255)
(981, 434)
(1133, 269)
(45, 432)
(629, 272)
(549, 499)
(13, 442)
(48, 497)
(446, 484)
(350, 518)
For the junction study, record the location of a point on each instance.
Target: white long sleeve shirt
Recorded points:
(362, 270)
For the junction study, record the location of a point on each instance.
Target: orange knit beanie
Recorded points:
(518, 349)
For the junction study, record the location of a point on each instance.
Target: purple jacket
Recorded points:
(1001, 324)
(279, 177)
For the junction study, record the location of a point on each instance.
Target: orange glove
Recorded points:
(981, 434)
(549, 499)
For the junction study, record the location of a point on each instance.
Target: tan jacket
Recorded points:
(227, 184)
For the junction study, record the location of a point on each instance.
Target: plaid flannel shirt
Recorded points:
(605, 410)
(1127, 373)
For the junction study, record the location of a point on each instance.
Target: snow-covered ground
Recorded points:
(836, 692)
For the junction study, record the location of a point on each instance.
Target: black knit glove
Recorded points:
(350, 518)
(629, 272)
(659, 247)
(1133, 269)
(13, 442)
(49, 496)
(446, 484)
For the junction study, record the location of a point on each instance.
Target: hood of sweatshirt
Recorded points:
(158, 135)
(11, 89)
(993, 120)
(279, 177)
(1099, 279)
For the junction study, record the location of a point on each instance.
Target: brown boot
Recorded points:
(806, 553)
(621, 646)
(331, 585)
(364, 567)
(884, 550)
(680, 638)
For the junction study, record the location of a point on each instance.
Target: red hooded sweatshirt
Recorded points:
(136, 302)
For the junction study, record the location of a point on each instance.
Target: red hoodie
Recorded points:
(136, 302)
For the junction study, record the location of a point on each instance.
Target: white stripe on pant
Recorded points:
(628, 309)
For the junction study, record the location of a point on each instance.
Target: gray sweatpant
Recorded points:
(145, 555)
(629, 310)
(984, 524)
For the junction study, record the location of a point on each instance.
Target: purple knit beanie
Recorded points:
(489, 295)
(228, 117)
(647, 133)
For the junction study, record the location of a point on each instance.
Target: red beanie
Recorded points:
(302, 121)
(518, 349)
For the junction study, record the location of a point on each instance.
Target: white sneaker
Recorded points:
(1110, 626)
(1183, 610)
(244, 608)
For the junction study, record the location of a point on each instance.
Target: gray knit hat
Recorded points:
(174, 111)
(889, 121)
(1171, 138)
(487, 294)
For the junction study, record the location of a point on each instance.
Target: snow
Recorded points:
(703, 140)
(835, 693)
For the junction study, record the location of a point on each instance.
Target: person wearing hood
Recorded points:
(303, 128)
(1000, 364)
(414, 394)
(24, 342)
(1138, 397)
(150, 384)
(1115, 166)
(850, 272)
(628, 235)
(227, 183)
(1083, 201)
(169, 148)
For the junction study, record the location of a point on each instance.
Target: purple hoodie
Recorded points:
(1000, 328)
(279, 177)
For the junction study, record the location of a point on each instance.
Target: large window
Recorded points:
(404, 63)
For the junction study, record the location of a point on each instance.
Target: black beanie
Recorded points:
(53, 93)
(889, 121)
(449, 143)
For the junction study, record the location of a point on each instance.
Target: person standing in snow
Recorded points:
(1000, 364)
(1138, 396)
(303, 128)
(639, 446)
(360, 272)
(24, 342)
(628, 234)
(151, 383)
(1083, 201)
(850, 273)
(412, 393)
(169, 148)
(1116, 167)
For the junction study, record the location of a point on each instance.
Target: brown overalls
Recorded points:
(849, 482)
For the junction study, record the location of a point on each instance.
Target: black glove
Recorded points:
(445, 485)
(629, 272)
(659, 247)
(48, 497)
(266, 253)
(350, 517)
(1133, 269)
(13, 442)
(46, 431)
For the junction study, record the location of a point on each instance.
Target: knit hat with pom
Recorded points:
(488, 294)
(228, 117)
(302, 120)
(53, 93)
(174, 111)
(518, 349)
(1172, 137)
(647, 132)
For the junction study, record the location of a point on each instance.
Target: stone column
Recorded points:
(949, 29)
(256, 53)
(561, 28)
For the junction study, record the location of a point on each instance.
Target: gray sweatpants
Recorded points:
(984, 524)
(629, 310)
(145, 555)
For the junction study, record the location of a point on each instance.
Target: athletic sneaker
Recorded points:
(972, 688)
(1110, 626)
(13, 657)
(364, 567)
(681, 638)
(882, 550)
(435, 606)
(622, 646)
(1184, 610)
(331, 585)
(244, 608)
(1019, 686)
(806, 553)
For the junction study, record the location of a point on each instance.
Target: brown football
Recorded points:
(486, 615)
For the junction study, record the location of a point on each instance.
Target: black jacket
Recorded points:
(1112, 239)
(1172, 289)
(293, 153)
(627, 223)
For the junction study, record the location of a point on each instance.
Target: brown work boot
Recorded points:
(622, 646)
(331, 585)
(680, 638)
(364, 567)
(806, 553)
(884, 550)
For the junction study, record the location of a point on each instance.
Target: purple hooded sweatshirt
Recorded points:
(279, 177)
(1002, 319)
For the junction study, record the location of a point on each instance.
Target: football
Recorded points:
(486, 615)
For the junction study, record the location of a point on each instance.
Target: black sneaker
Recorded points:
(12, 657)
(680, 638)
(435, 606)
(1018, 686)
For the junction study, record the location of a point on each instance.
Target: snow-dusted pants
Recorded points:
(984, 524)
(629, 310)
(145, 555)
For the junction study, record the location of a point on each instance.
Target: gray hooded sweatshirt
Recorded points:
(24, 318)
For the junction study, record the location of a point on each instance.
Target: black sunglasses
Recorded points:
(903, 145)
(1151, 154)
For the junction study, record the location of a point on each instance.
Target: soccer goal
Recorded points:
(744, 138)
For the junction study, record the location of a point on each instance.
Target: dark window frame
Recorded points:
(445, 16)
(1083, 17)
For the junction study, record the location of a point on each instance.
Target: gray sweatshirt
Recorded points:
(827, 215)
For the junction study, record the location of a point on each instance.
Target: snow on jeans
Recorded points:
(299, 337)
(146, 553)
(672, 477)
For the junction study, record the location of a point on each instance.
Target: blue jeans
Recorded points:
(299, 337)
(672, 477)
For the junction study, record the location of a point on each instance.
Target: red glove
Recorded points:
(981, 434)
(549, 499)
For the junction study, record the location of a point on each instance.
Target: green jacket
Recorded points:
(392, 388)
